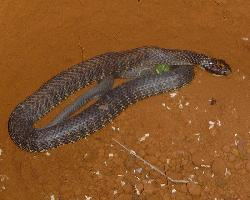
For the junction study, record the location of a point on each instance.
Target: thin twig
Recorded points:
(81, 48)
(132, 152)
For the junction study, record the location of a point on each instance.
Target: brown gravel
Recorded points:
(201, 133)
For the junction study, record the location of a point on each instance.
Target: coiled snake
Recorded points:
(137, 64)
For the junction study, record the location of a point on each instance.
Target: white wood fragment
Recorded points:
(211, 124)
(172, 94)
(138, 170)
(206, 166)
(180, 106)
(52, 197)
(3, 177)
(122, 183)
(227, 172)
(143, 138)
(236, 142)
(218, 122)
(137, 190)
(173, 191)
(97, 173)
(88, 197)
(245, 38)
(111, 155)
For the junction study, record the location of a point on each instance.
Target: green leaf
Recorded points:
(160, 68)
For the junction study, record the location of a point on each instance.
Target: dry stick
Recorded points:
(132, 152)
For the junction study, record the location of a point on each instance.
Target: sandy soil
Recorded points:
(185, 136)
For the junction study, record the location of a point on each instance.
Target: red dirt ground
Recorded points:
(185, 136)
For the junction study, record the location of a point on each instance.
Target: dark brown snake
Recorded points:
(140, 62)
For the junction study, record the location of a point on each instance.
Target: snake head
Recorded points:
(216, 66)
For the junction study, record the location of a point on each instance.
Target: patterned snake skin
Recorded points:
(143, 59)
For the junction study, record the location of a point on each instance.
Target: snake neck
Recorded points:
(210, 64)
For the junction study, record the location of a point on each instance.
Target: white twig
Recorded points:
(132, 152)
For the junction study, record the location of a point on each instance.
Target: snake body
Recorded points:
(139, 62)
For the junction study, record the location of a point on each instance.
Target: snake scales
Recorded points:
(137, 63)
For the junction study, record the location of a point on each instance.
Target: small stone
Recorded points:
(219, 167)
(194, 189)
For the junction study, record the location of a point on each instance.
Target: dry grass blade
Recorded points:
(132, 152)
